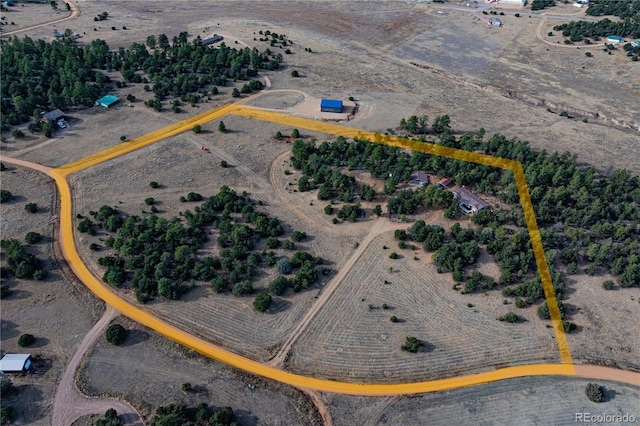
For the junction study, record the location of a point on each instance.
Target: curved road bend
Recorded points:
(74, 12)
(69, 404)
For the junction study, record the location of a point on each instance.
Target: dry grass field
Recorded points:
(526, 401)
(25, 14)
(605, 318)
(352, 337)
(180, 166)
(147, 363)
(56, 311)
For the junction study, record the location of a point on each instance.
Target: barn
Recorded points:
(15, 363)
(211, 40)
(107, 100)
(331, 105)
(53, 116)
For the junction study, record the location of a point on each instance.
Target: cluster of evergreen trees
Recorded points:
(620, 8)
(40, 75)
(585, 217)
(156, 256)
(577, 30)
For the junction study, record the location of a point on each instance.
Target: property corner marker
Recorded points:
(145, 318)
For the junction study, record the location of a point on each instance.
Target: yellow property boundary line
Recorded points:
(206, 348)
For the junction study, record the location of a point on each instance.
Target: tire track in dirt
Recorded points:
(380, 226)
(69, 405)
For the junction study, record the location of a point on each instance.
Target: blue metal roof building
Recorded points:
(331, 105)
(107, 100)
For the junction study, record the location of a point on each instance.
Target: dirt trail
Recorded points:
(74, 12)
(607, 373)
(35, 166)
(69, 405)
(380, 226)
(321, 406)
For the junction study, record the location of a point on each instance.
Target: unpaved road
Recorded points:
(74, 12)
(69, 405)
(380, 226)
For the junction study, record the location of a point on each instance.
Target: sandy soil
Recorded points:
(35, 307)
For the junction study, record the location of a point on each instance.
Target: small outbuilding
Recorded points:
(331, 105)
(495, 22)
(211, 40)
(635, 43)
(419, 178)
(107, 100)
(53, 116)
(613, 39)
(469, 202)
(443, 183)
(15, 363)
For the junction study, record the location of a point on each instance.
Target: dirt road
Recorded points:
(69, 405)
(74, 12)
(606, 373)
(380, 226)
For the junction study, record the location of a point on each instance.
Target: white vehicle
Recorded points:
(61, 124)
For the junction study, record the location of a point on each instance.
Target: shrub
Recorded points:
(194, 196)
(288, 245)
(411, 344)
(328, 209)
(283, 266)
(149, 201)
(393, 255)
(6, 387)
(5, 195)
(186, 387)
(2, 167)
(153, 184)
(33, 237)
(520, 303)
(608, 285)
(26, 340)
(295, 133)
(94, 247)
(589, 54)
(262, 302)
(31, 207)
(123, 138)
(393, 318)
(197, 129)
(509, 317)
(295, 73)
(224, 164)
(298, 236)
(594, 392)
(116, 334)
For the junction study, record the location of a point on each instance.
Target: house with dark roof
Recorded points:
(469, 202)
(53, 116)
(443, 183)
(15, 363)
(419, 178)
(331, 105)
(211, 40)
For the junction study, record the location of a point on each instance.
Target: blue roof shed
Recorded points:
(331, 105)
(107, 100)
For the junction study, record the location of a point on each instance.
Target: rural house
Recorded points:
(469, 202)
(211, 40)
(53, 116)
(419, 178)
(15, 363)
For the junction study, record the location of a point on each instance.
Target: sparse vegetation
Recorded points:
(411, 344)
(26, 340)
(594, 392)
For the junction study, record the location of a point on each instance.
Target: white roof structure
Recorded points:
(15, 362)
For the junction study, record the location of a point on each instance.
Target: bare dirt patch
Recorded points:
(539, 400)
(352, 337)
(54, 310)
(147, 362)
